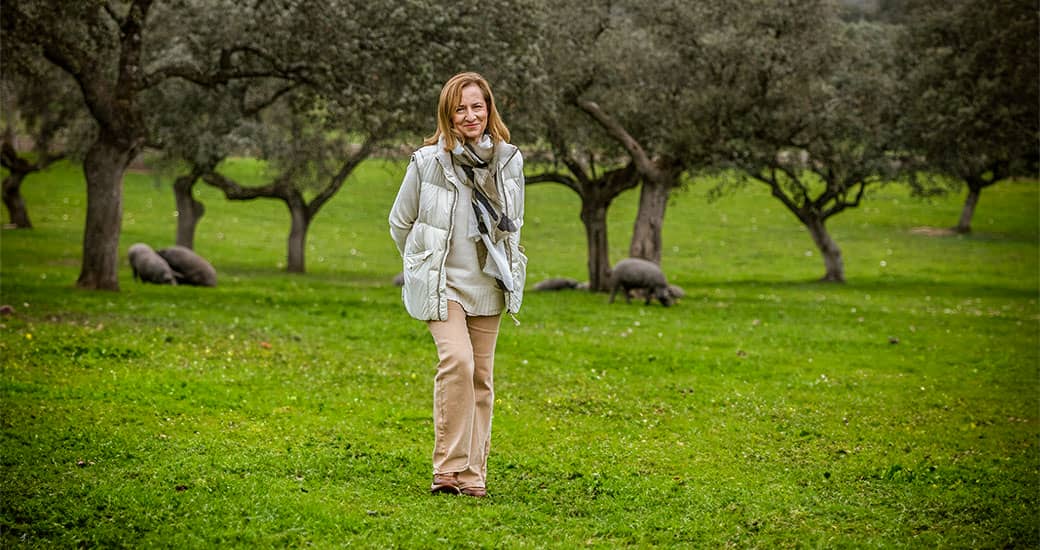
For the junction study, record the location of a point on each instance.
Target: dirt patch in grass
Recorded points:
(934, 231)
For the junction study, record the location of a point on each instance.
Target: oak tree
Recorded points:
(44, 121)
(972, 99)
(109, 50)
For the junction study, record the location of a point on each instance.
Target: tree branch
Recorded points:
(613, 128)
(553, 177)
(779, 194)
(841, 204)
(802, 190)
(233, 191)
(67, 56)
(563, 153)
(112, 13)
(226, 71)
(9, 159)
(192, 74)
(345, 170)
(999, 170)
(253, 110)
(620, 179)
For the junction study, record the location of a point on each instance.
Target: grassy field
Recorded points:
(764, 410)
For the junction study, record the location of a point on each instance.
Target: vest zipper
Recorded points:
(447, 247)
(509, 249)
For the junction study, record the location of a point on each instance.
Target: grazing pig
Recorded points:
(556, 283)
(150, 267)
(675, 291)
(190, 268)
(636, 273)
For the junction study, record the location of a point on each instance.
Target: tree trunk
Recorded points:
(646, 234)
(594, 216)
(297, 236)
(189, 210)
(14, 202)
(832, 261)
(103, 166)
(964, 224)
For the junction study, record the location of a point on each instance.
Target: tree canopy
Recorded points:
(972, 95)
(816, 99)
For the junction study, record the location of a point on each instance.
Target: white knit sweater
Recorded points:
(477, 292)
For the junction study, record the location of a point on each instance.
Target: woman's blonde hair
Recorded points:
(451, 96)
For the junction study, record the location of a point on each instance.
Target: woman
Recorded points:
(456, 222)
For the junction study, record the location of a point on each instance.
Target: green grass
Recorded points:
(764, 410)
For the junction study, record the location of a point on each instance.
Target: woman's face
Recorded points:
(470, 117)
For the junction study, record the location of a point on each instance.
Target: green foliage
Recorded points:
(971, 100)
(694, 85)
(764, 410)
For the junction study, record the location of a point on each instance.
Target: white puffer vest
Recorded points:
(421, 225)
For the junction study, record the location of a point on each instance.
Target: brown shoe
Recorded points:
(445, 483)
(478, 492)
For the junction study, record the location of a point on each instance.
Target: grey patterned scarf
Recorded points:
(478, 163)
(489, 222)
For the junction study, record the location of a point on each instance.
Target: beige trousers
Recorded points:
(463, 394)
